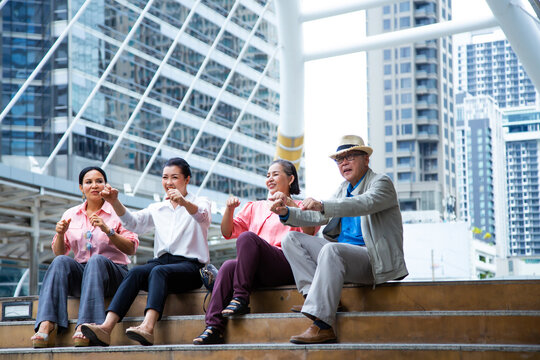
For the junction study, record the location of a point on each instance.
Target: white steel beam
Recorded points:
(522, 30)
(291, 124)
(151, 84)
(43, 61)
(96, 88)
(406, 36)
(344, 9)
(2, 3)
(236, 123)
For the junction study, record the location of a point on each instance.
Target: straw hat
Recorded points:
(351, 143)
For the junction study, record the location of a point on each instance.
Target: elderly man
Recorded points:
(363, 241)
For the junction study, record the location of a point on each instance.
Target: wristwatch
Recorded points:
(111, 232)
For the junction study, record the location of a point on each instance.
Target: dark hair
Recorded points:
(289, 169)
(90, 168)
(181, 163)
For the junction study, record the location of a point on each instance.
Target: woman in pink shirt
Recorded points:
(100, 246)
(260, 260)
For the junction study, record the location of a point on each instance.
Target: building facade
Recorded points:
(411, 108)
(522, 136)
(148, 105)
(481, 169)
(487, 65)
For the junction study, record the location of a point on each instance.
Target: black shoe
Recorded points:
(209, 336)
(237, 306)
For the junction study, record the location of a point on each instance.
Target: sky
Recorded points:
(335, 89)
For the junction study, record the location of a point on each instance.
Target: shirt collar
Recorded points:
(106, 208)
(351, 188)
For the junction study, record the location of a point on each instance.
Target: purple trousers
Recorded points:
(257, 264)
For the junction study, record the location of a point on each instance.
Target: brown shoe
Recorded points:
(137, 334)
(298, 308)
(96, 334)
(314, 335)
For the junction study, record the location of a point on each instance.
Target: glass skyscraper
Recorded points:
(411, 108)
(133, 83)
(202, 89)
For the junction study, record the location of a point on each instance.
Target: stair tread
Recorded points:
(287, 346)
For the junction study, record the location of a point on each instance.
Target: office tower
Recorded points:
(411, 108)
(481, 169)
(522, 136)
(204, 89)
(487, 65)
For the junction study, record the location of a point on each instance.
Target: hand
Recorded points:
(176, 196)
(279, 207)
(98, 222)
(312, 204)
(233, 202)
(109, 193)
(62, 226)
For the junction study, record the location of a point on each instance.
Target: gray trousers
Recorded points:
(320, 269)
(92, 281)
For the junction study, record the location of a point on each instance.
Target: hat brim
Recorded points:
(363, 148)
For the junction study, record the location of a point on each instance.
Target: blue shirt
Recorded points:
(351, 229)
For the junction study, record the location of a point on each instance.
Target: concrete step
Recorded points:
(397, 296)
(408, 327)
(340, 351)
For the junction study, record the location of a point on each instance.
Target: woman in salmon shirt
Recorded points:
(260, 260)
(100, 245)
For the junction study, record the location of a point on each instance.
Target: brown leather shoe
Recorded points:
(298, 308)
(314, 335)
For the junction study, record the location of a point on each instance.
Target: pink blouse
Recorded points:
(76, 236)
(257, 218)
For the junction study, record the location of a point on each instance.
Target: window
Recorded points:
(388, 115)
(387, 69)
(388, 130)
(387, 84)
(387, 99)
(405, 68)
(387, 54)
(388, 147)
(404, 22)
(386, 24)
(404, 6)
(405, 52)
(406, 113)
(406, 98)
(406, 129)
(389, 162)
(386, 9)
(406, 83)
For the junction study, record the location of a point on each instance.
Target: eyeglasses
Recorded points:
(348, 157)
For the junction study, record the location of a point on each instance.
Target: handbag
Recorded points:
(208, 276)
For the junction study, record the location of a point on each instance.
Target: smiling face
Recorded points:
(172, 178)
(352, 168)
(92, 184)
(278, 180)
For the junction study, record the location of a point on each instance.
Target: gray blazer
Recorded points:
(375, 200)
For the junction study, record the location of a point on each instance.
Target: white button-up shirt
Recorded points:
(177, 232)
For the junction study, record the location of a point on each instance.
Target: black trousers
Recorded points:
(168, 274)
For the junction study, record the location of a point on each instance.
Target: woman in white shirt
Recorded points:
(181, 224)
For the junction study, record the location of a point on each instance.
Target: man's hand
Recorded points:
(109, 194)
(312, 204)
(279, 203)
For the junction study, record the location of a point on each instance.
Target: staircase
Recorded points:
(489, 319)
